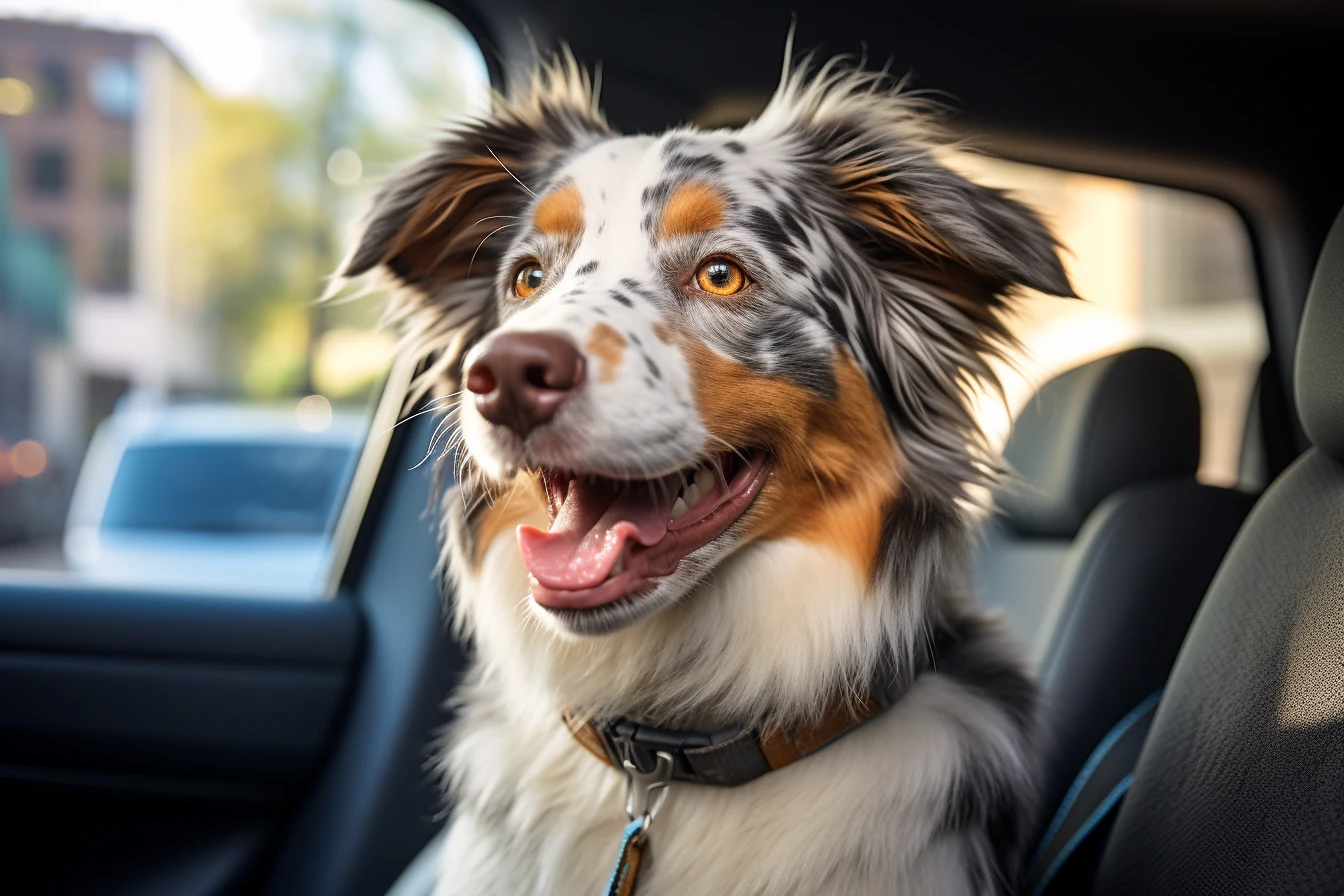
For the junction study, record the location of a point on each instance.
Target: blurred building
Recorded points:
(89, 122)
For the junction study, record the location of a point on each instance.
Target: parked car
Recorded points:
(211, 496)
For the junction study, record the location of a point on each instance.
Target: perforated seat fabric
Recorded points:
(1240, 786)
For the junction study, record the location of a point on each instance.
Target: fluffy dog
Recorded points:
(717, 478)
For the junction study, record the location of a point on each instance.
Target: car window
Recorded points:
(176, 181)
(1152, 266)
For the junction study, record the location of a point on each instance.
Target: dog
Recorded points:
(717, 472)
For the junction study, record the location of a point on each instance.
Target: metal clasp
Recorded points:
(645, 791)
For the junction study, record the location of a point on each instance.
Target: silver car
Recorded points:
(211, 497)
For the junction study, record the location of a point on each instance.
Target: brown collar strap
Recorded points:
(736, 755)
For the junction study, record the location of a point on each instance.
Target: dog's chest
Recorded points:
(540, 815)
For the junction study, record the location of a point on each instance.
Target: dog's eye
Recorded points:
(528, 279)
(721, 277)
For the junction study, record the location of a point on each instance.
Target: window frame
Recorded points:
(374, 472)
(372, 476)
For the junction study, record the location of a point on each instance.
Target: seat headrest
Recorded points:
(1319, 370)
(1123, 419)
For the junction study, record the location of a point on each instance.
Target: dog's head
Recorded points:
(689, 344)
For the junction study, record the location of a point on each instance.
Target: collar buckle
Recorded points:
(645, 791)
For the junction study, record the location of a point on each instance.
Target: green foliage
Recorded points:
(263, 222)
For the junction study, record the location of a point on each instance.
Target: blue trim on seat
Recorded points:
(1090, 767)
(1083, 832)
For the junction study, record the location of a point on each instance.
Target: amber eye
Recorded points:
(528, 279)
(721, 277)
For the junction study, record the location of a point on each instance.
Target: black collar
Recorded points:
(738, 754)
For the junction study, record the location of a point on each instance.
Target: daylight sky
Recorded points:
(234, 50)
(220, 40)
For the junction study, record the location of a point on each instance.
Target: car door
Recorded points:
(199, 743)
(173, 189)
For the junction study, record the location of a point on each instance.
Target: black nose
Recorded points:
(521, 379)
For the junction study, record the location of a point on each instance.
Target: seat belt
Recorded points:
(1094, 795)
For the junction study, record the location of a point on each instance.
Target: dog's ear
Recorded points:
(876, 146)
(947, 256)
(431, 224)
(914, 206)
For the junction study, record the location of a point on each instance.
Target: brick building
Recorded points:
(91, 123)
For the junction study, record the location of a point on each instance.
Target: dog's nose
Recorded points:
(521, 379)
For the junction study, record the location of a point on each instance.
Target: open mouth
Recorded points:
(610, 538)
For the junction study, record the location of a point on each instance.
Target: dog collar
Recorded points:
(652, 758)
(738, 754)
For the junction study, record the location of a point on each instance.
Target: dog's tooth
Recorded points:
(679, 507)
(692, 494)
(705, 480)
(619, 566)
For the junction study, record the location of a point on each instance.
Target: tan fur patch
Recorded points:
(608, 346)
(560, 212)
(693, 207)
(523, 501)
(886, 212)
(836, 464)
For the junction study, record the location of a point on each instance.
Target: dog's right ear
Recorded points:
(430, 224)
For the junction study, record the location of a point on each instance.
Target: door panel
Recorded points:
(201, 745)
(152, 743)
(218, 690)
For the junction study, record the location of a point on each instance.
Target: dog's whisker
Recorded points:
(439, 430)
(511, 174)
(495, 218)
(409, 418)
(482, 243)
(445, 428)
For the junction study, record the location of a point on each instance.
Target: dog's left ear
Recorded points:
(915, 207)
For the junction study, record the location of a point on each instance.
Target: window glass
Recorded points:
(1154, 266)
(176, 182)
(53, 86)
(49, 171)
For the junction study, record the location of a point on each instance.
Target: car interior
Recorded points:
(1187, 628)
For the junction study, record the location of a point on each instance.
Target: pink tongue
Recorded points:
(591, 530)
